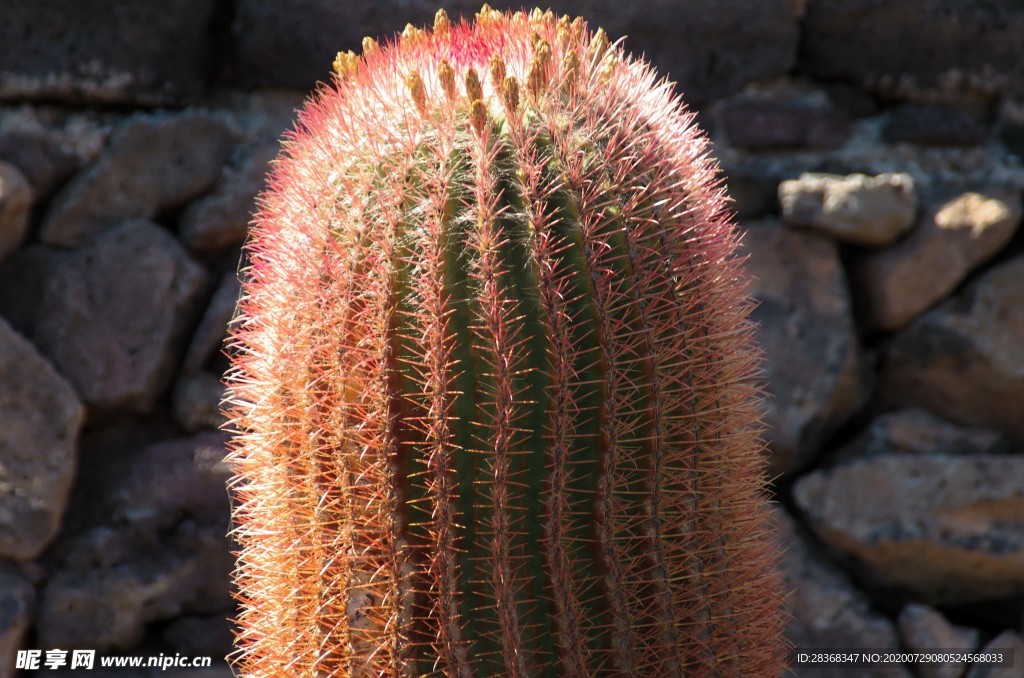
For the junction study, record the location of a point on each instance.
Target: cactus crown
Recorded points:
(492, 378)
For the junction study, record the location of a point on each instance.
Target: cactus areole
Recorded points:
(491, 388)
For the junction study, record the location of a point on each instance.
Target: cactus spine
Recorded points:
(492, 377)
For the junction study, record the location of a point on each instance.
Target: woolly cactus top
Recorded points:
(492, 390)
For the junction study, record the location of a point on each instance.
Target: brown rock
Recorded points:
(39, 421)
(131, 51)
(939, 50)
(812, 365)
(925, 629)
(1008, 644)
(15, 203)
(946, 528)
(221, 219)
(710, 53)
(858, 209)
(826, 610)
(153, 162)
(17, 598)
(114, 314)
(949, 241)
(965, 359)
(915, 432)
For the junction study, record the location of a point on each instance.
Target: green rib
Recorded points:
(521, 282)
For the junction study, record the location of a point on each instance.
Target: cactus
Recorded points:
(492, 377)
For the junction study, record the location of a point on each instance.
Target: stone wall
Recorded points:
(873, 151)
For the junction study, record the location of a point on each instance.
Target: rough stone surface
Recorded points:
(925, 629)
(812, 361)
(709, 53)
(17, 598)
(156, 548)
(1008, 643)
(766, 124)
(133, 51)
(965, 359)
(976, 46)
(15, 203)
(221, 219)
(826, 610)
(39, 421)
(946, 528)
(915, 431)
(949, 241)
(108, 606)
(858, 209)
(197, 399)
(152, 163)
(208, 339)
(113, 314)
(932, 126)
(201, 636)
(39, 157)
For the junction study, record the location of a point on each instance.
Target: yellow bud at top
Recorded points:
(369, 44)
(417, 91)
(411, 33)
(487, 14)
(446, 74)
(345, 64)
(441, 22)
(497, 70)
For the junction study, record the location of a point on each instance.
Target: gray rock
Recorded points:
(152, 163)
(17, 599)
(39, 421)
(710, 53)
(208, 339)
(932, 126)
(857, 209)
(883, 45)
(39, 157)
(130, 52)
(169, 480)
(826, 610)
(753, 178)
(943, 527)
(15, 203)
(812, 365)
(197, 398)
(915, 431)
(767, 124)
(1011, 646)
(221, 219)
(117, 581)
(201, 636)
(965, 360)
(114, 314)
(950, 240)
(925, 629)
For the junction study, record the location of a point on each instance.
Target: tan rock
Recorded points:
(15, 203)
(949, 241)
(946, 528)
(965, 359)
(856, 208)
(812, 364)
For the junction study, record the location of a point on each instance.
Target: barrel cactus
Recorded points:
(492, 378)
